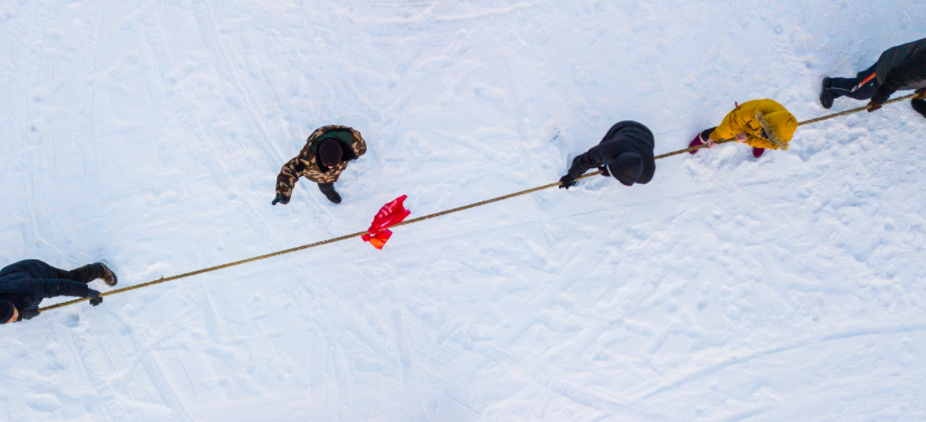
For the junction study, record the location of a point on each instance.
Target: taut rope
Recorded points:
(427, 217)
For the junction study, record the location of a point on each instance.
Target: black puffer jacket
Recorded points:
(899, 68)
(626, 136)
(26, 283)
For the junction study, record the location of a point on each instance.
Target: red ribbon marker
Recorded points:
(389, 215)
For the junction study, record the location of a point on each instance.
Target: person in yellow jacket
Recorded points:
(761, 124)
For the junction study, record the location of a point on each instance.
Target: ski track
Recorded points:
(149, 135)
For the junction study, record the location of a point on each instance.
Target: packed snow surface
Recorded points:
(148, 134)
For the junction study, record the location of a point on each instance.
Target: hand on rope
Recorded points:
(94, 296)
(920, 94)
(567, 182)
(872, 106)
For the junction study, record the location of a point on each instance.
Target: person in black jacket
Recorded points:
(899, 68)
(24, 284)
(625, 152)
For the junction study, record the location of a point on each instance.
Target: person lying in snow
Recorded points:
(322, 160)
(898, 68)
(24, 284)
(761, 124)
(625, 152)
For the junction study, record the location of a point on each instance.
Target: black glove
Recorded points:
(30, 313)
(96, 299)
(280, 198)
(604, 170)
(872, 106)
(567, 182)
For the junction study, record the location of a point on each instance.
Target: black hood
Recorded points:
(627, 168)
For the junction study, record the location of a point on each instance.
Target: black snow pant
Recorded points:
(40, 269)
(861, 87)
(326, 188)
(84, 274)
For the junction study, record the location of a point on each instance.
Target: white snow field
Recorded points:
(148, 134)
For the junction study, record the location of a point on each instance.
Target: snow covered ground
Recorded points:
(149, 134)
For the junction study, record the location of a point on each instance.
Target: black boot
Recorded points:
(919, 106)
(333, 196)
(826, 96)
(330, 193)
(109, 276)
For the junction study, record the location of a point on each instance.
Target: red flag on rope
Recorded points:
(389, 215)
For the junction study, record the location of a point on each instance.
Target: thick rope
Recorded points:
(854, 110)
(427, 217)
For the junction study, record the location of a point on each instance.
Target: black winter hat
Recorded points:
(627, 168)
(6, 311)
(330, 152)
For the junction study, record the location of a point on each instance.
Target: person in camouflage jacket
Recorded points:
(322, 160)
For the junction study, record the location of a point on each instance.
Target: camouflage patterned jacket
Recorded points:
(307, 164)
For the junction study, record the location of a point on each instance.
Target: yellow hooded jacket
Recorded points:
(753, 116)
